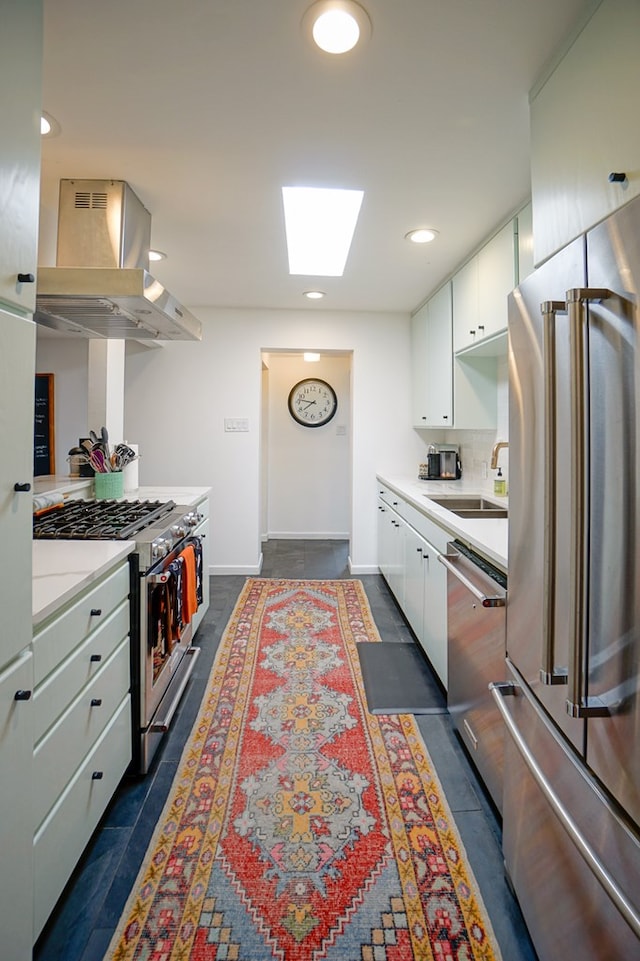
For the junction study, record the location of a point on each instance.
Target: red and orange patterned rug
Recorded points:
(299, 826)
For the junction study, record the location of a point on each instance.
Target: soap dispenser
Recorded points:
(500, 484)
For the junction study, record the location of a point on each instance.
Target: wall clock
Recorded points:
(312, 402)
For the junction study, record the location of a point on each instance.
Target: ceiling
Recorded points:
(208, 107)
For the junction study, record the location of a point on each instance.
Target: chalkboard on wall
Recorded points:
(43, 427)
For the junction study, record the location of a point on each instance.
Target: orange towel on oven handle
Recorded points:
(189, 591)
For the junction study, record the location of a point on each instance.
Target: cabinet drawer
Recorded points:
(58, 639)
(65, 746)
(64, 835)
(86, 662)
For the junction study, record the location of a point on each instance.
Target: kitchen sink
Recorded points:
(470, 506)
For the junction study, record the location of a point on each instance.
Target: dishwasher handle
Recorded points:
(485, 599)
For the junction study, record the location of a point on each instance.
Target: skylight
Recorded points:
(320, 222)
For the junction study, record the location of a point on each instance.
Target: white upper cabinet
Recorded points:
(480, 290)
(20, 107)
(496, 280)
(432, 362)
(465, 305)
(584, 127)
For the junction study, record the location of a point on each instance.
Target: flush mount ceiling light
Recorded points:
(314, 294)
(336, 26)
(311, 357)
(319, 222)
(157, 255)
(421, 235)
(49, 126)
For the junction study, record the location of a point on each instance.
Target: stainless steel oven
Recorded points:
(166, 587)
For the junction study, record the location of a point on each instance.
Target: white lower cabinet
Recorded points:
(62, 837)
(16, 791)
(81, 739)
(391, 548)
(408, 548)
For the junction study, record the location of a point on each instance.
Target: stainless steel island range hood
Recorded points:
(101, 286)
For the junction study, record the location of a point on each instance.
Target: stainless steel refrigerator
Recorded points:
(571, 703)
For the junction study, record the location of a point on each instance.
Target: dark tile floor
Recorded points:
(81, 927)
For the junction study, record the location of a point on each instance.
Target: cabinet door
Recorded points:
(440, 360)
(465, 305)
(435, 612)
(496, 280)
(582, 129)
(20, 105)
(16, 747)
(17, 367)
(414, 571)
(419, 368)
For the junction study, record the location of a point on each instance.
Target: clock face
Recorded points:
(312, 402)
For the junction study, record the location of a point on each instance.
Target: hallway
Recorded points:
(81, 927)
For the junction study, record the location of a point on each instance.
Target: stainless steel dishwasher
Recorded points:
(476, 642)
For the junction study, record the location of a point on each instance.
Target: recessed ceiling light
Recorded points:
(157, 255)
(314, 294)
(49, 126)
(320, 223)
(422, 235)
(336, 26)
(311, 357)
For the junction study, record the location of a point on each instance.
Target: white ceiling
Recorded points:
(208, 107)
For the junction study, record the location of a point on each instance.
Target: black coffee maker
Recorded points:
(443, 463)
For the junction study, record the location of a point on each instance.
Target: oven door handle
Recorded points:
(485, 599)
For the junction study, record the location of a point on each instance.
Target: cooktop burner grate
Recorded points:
(99, 520)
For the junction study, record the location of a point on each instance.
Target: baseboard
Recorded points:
(362, 568)
(307, 536)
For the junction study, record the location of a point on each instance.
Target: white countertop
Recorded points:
(71, 487)
(487, 535)
(63, 568)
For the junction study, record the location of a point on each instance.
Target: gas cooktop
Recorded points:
(99, 520)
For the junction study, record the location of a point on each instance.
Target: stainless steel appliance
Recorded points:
(162, 655)
(101, 285)
(571, 803)
(476, 597)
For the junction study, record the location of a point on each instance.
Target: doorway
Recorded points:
(306, 471)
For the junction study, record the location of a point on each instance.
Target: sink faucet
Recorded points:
(496, 451)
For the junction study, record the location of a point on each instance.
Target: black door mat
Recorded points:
(398, 680)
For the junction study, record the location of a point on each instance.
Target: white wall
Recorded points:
(308, 468)
(67, 360)
(176, 400)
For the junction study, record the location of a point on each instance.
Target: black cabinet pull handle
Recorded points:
(617, 177)
(26, 278)
(96, 702)
(97, 775)
(96, 611)
(21, 488)
(22, 695)
(96, 657)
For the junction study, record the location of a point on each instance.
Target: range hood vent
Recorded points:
(101, 286)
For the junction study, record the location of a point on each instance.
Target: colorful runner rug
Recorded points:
(300, 827)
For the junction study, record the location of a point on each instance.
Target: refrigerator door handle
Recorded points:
(549, 673)
(486, 600)
(501, 690)
(578, 702)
